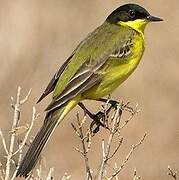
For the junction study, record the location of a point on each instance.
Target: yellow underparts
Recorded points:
(67, 108)
(119, 69)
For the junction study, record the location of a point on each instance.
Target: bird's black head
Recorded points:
(130, 12)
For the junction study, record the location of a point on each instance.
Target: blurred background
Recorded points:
(35, 39)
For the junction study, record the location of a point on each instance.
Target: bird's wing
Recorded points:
(119, 52)
(81, 71)
(86, 77)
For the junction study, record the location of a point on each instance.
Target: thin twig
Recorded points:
(133, 113)
(12, 139)
(34, 117)
(106, 151)
(85, 148)
(15, 130)
(128, 156)
(26, 97)
(19, 150)
(117, 148)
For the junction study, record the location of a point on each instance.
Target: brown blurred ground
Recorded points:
(35, 39)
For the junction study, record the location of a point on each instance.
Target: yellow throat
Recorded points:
(138, 25)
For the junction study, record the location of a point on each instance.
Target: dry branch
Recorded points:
(86, 144)
(114, 125)
(8, 172)
(134, 146)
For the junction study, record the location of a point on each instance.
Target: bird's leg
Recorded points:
(102, 115)
(99, 115)
(95, 117)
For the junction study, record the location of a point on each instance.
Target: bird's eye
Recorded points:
(131, 13)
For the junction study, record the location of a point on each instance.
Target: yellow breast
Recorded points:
(118, 70)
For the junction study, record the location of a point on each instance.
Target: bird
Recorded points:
(98, 65)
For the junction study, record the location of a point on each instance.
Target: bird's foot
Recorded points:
(100, 118)
(98, 121)
(113, 105)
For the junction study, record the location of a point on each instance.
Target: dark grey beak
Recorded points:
(153, 18)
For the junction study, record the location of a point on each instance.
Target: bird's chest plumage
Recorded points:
(119, 66)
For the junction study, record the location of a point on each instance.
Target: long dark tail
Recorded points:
(31, 157)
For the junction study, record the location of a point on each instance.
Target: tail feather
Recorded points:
(33, 153)
(52, 119)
